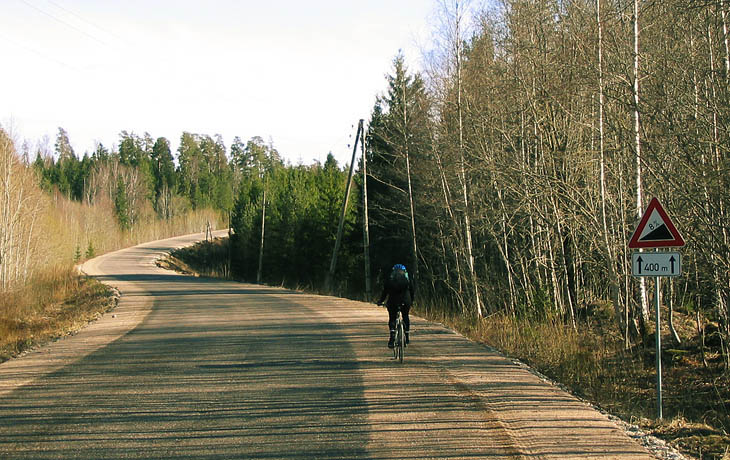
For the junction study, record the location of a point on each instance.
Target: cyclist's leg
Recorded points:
(405, 309)
(392, 316)
(400, 341)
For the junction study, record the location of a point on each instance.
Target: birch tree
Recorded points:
(20, 205)
(447, 73)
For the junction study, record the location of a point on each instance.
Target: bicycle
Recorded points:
(400, 337)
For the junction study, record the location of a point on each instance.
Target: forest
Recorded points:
(139, 190)
(515, 167)
(508, 173)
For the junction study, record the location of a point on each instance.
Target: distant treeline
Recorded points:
(56, 210)
(140, 177)
(141, 180)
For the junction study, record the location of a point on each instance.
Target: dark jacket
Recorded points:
(397, 296)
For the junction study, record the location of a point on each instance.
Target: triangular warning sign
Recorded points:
(655, 229)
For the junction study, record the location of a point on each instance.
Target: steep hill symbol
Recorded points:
(660, 233)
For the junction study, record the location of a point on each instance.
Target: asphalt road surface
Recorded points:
(195, 368)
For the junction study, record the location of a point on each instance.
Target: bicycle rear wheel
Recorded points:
(400, 340)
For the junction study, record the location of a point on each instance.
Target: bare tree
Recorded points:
(453, 13)
(637, 147)
(20, 205)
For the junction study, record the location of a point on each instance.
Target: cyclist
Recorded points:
(398, 288)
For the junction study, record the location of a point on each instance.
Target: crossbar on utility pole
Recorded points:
(338, 241)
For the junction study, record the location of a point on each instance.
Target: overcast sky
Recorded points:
(297, 72)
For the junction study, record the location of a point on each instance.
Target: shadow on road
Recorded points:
(211, 373)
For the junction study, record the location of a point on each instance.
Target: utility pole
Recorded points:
(261, 246)
(230, 244)
(365, 225)
(338, 241)
(414, 247)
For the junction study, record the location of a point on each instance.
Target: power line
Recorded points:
(120, 44)
(81, 18)
(71, 26)
(35, 51)
(60, 7)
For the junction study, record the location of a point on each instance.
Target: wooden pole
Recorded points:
(414, 247)
(365, 225)
(261, 246)
(230, 244)
(338, 241)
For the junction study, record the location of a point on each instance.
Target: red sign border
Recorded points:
(634, 243)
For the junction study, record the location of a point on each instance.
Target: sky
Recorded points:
(298, 73)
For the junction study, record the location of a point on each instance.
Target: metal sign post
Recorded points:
(658, 350)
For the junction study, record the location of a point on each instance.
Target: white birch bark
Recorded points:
(725, 40)
(637, 139)
(610, 258)
(462, 160)
(20, 203)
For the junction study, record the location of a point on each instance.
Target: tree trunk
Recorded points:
(465, 192)
(670, 305)
(725, 40)
(504, 252)
(637, 134)
(610, 264)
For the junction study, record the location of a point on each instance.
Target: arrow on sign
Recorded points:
(639, 261)
(671, 261)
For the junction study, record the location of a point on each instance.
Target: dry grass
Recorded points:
(51, 305)
(207, 258)
(78, 226)
(55, 301)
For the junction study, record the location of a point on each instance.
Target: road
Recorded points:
(189, 367)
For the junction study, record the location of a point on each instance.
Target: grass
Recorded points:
(56, 301)
(51, 305)
(207, 258)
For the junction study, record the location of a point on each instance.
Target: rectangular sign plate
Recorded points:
(656, 264)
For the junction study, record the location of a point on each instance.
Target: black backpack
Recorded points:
(399, 279)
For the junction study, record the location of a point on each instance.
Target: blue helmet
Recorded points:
(399, 267)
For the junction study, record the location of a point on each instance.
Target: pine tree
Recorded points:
(63, 146)
(121, 205)
(399, 138)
